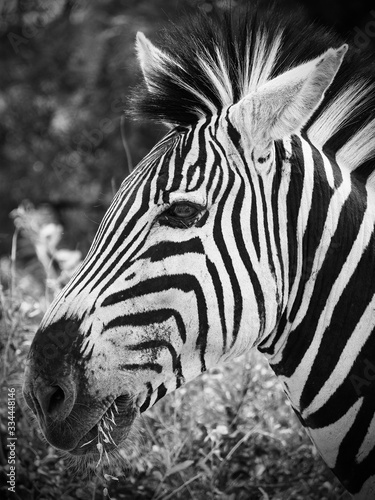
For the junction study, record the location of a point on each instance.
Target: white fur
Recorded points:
(359, 148)
(260, 63)
(342, 110)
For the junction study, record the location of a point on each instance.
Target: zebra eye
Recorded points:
(263, 159)
(262, 154)
(182, 214)
(183, 210)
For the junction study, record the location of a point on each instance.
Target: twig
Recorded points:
(177, 490)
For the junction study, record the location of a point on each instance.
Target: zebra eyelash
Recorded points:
(171, 218)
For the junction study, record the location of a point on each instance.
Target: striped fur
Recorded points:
(251, 224)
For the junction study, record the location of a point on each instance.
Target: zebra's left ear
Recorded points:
(283, 105)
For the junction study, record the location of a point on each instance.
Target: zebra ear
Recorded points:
(149, 57)
(283, 105)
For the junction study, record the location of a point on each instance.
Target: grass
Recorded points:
(228, 435)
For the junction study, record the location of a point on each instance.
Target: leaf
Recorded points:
(179, 467)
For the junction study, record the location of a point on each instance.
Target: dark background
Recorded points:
(66, 71)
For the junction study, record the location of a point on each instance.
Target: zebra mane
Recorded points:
(211, 62)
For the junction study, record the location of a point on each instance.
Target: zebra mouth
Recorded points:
(111, 429)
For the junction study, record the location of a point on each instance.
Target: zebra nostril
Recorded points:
(52, 400)
(56, 400)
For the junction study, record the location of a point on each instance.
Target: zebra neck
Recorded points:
(331, 287)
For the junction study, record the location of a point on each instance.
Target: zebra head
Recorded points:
(190, 265)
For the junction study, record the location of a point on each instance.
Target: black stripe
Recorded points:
(155, 367)
(148, 318)
(219, 292)
(155, 345)
(166, 249)
(162, 391)
(147, 401)
(217, 165)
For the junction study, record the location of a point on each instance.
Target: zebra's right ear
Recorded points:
(282, 106)
(150, 59)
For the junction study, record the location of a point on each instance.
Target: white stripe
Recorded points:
(348, 356)
(303, 214)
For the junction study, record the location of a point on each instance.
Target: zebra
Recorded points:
(249, 225)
